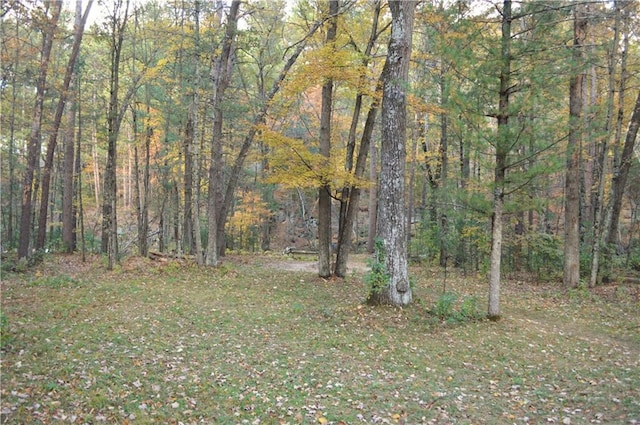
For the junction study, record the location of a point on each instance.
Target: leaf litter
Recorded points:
(174, 343)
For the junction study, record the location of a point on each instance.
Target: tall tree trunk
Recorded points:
(114, 117)
(347, 210)
(11, 222)
(70, 171)
(78, 32)
(571, 268)
(221, 76)
(97, 184)
(69, 185)
(190, 146)
(603, 160)
(78, 209)
(35, 145)
(354, 191)
(611, 236)
(502, 150)
(324, 192)
(444, 166)
(621, 175)
(392, 224)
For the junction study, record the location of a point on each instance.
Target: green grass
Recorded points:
(246, 343)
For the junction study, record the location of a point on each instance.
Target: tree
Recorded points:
(78, 32)
(571, 268)
(115, 114)
(502, 148)
(258, 125)
(69, 184)
(350, 195)
(392, 225)
(324, 192)
(221, 75)
(35, 145)
(622, 173)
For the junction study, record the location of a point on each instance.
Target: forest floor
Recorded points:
(262, 340)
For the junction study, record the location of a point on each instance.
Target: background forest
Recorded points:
(197, 127)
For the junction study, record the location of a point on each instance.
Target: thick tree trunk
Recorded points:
(35, 145)
(392, 224)
(324, 192)
(571, 268)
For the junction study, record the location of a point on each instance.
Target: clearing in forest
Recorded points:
(169, 342)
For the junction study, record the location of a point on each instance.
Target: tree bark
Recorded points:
(620, 177)
(35, 145)
(70, 186)
(221, 77)
(392, 224)
(571, 267)
(324, 192)
(502, 150)
(599, 202)
(114, 118)
(78, 32)
(351, 195)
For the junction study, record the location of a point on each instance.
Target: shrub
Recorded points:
(444, 307)
(378, 277)
(448, 309)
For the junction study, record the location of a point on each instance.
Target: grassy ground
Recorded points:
(167, 342)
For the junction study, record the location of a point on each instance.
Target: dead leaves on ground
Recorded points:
(174, 344)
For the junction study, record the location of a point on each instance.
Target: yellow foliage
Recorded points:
(249, 213)
(294, 164)
(327, 62)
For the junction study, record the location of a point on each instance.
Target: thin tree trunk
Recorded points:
(373, 198)
(97, 184)
(354, 191)
(392, 223)
(114, 118)
(35, 145)
(603, 161)
(571, 268)
(70, 185)
(502, 150)
(79, 208)
(190, 163)
(347, 210)
(221, 76)
(620, 178)
(615, 202)
(53, 138)
(12, 157)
